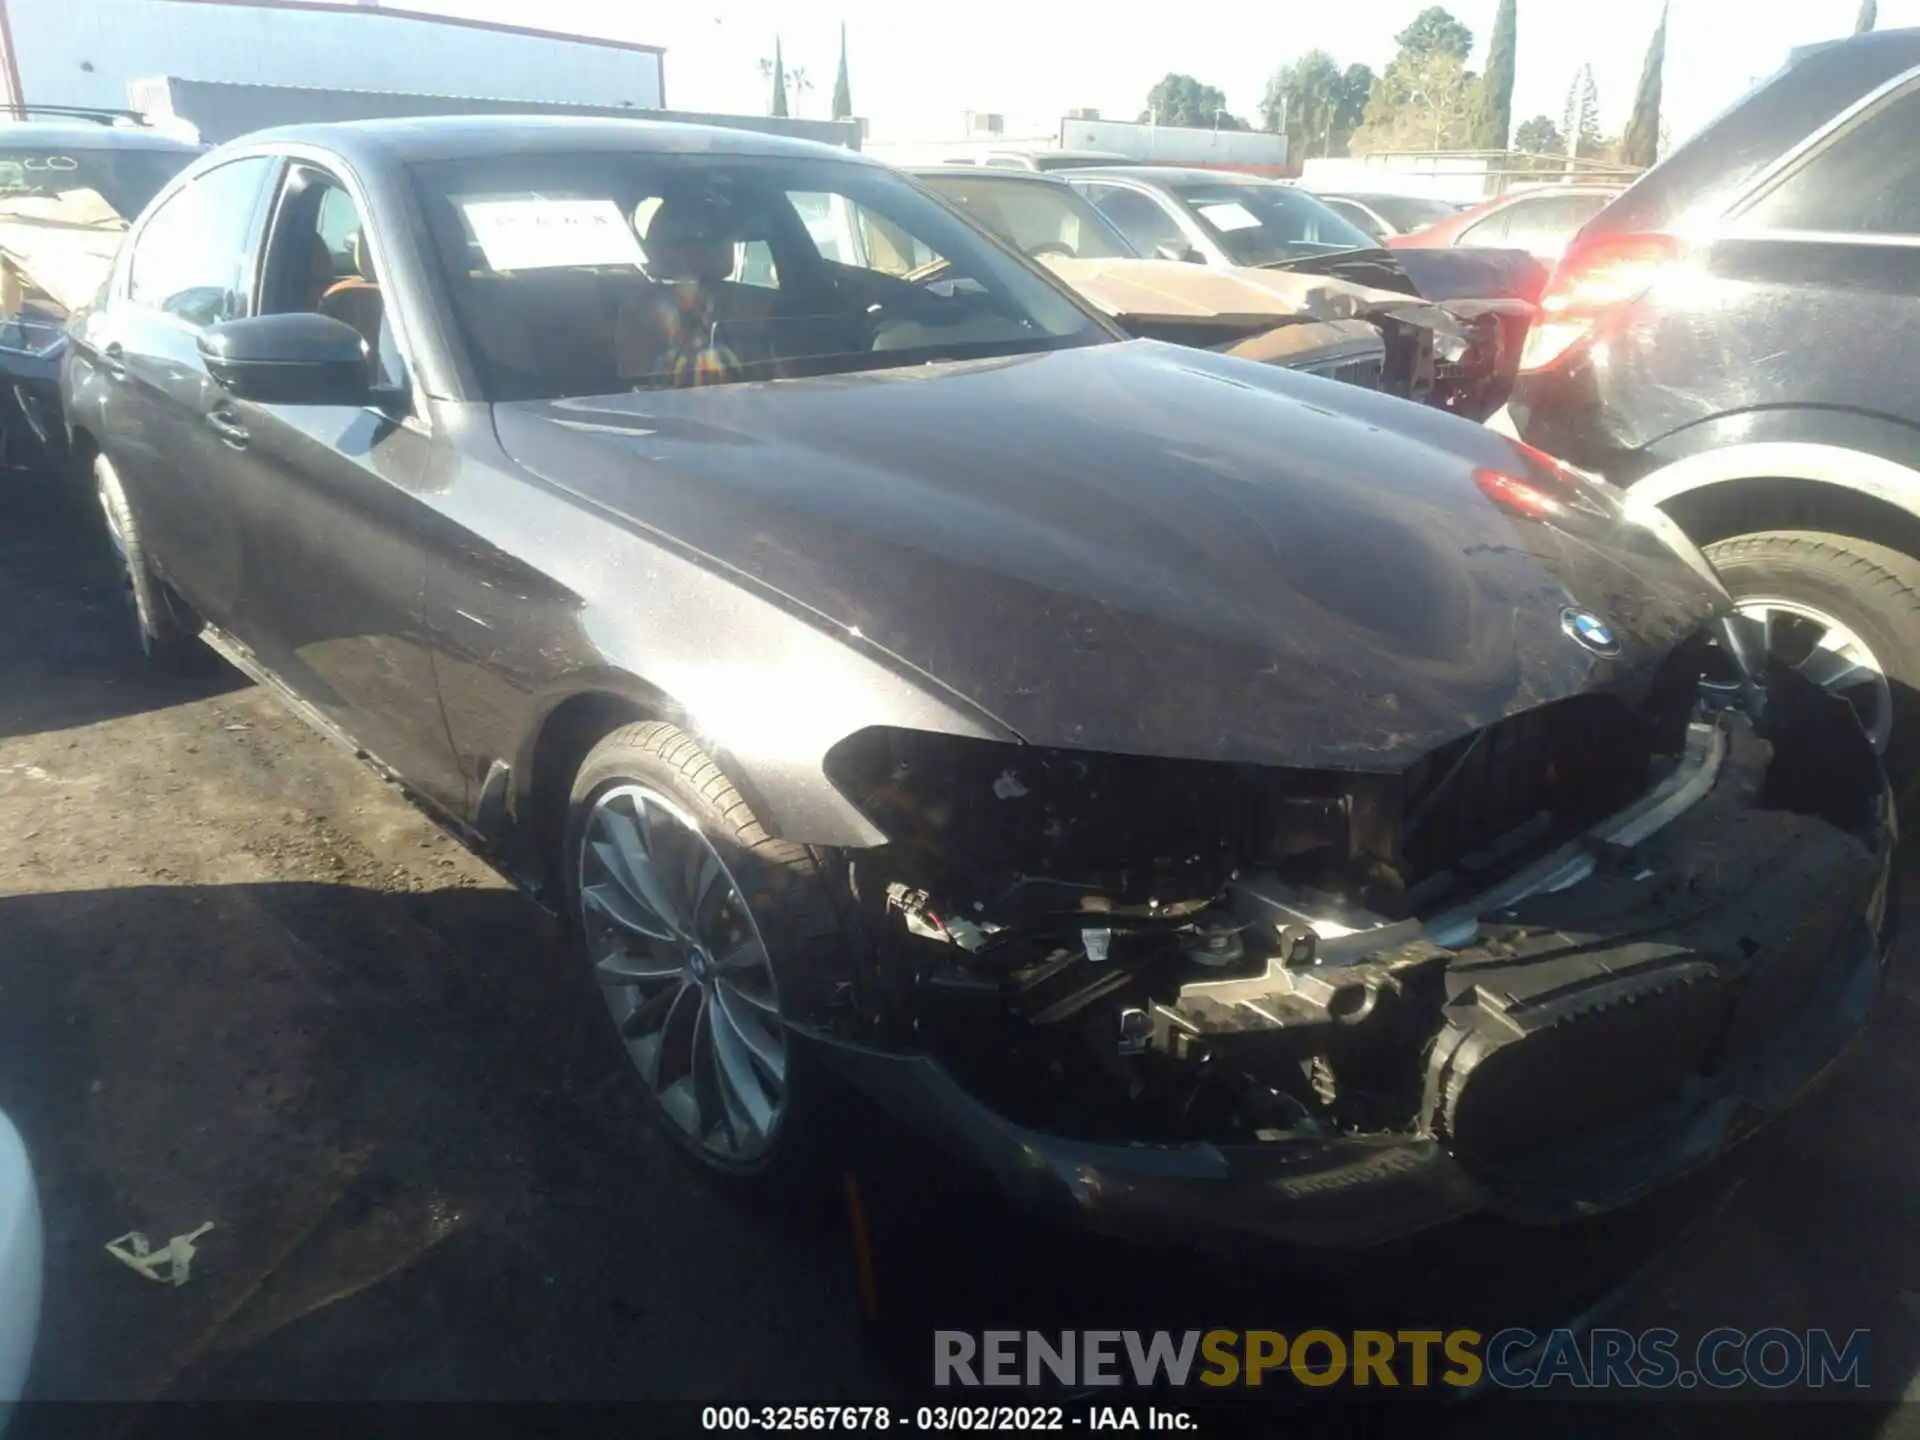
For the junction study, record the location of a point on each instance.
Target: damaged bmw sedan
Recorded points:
(1219, 801)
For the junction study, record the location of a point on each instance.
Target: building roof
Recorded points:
(1170, 175)
(455, 137)
(986, 172)
(348, 7)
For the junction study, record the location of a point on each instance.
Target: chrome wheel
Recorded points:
(685, 973)
(1827, 653)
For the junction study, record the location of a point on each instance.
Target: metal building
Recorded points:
(214, 111)
(85, 52)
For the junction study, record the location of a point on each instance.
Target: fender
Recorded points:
(1874, 455)
(1857, 470)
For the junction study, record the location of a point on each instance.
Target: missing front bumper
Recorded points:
(1590, 1039)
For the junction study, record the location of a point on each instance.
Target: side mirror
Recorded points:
(1178, 250)
(298, 359)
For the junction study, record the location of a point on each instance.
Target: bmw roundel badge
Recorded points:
(1589, 631)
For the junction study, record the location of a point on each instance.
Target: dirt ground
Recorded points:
(242, 982)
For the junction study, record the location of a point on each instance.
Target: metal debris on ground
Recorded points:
(169, 1266)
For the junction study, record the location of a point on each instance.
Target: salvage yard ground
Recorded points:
(243, 982)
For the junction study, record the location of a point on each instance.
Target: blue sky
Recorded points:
(915, 68)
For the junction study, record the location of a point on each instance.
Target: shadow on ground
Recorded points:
(406, 1118)
(70, 657)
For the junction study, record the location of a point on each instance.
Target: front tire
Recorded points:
(163, 626)
(705, 936)
(1846, 613)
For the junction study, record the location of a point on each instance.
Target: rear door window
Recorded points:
(1355, 215)
(1550, 220)
(1708, 172)
(1144, 222)
(1865, 181)
(1490, 231)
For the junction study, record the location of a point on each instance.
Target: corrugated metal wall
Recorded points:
(216, 112)
(83, 52)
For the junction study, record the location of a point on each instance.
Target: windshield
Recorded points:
(589, 274)
(1408, 213)
(1260, 224)
(1038, 217)
(93, 189)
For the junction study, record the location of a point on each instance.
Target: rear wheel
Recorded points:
(1846, 614)
(163, 625)
(703, 933)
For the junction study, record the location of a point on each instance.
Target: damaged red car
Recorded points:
(1216, 800)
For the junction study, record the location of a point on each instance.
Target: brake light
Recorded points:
(1593, 280)
(1522, 497)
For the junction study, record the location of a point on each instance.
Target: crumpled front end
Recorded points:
(32, 338)
(1542, 971)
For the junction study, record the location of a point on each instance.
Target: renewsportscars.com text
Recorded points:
(1772, 1358)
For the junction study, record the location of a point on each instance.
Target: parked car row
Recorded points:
(1369, 337)
(1242, 223)
(1219, 802)
(1384, 216)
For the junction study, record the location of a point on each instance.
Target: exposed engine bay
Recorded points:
(1543, 929)
(1458, 357)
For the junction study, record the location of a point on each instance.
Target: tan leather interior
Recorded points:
(356, 298)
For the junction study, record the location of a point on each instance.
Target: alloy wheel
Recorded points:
(685, 973)
(1829, 654)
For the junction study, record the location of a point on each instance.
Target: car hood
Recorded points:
(1135, 291)
(1141, 548)
(67, 252)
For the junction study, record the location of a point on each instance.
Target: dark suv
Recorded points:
(1737, 338)
(71, 180)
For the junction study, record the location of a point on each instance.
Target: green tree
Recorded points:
(1303, 99)
(1422, 102)
(1425, 98)
(1435, 31)
(1580, 126)
(1868, 17)
(1539, 136)
(1183, 100)
(1355, 90)
(1493, 119)
(1641, 143)
(842, 91)
(776, 70)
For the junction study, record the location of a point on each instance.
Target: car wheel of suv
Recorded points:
(701, 931)
(1845, 613)
(164, 635)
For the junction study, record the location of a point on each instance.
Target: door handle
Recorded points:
(113, 359)
(224, 423)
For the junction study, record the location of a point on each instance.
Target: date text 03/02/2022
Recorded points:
(1725, 1358)
(934, 1419)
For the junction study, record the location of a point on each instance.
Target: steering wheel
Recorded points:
(1050, 247)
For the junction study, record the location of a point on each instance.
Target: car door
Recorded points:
(189, 266)
(1814, 281)
(334, 571)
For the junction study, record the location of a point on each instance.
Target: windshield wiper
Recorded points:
(1350, 252)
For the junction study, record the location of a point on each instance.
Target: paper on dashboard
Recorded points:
(536, 234)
